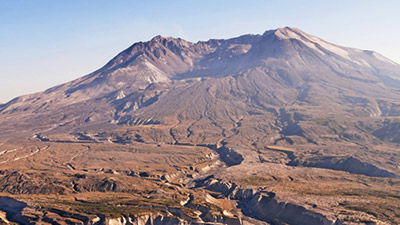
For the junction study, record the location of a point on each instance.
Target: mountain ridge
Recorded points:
(159, 38)
(288, 56)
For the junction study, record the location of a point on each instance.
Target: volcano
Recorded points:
(267, 129)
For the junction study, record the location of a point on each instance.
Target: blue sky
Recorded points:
(48, 42)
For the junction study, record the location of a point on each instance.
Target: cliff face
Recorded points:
(267, 207)
(270, 209)
(143, 220)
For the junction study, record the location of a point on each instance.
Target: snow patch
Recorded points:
(121, 95)
(142, 71)
(322, 46)
(328, 46)
(362, 62)
(289, 34)
(156, 75)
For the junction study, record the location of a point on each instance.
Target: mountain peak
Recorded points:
(288, 33)
(160, 38)
(317, 44)
(287, 28)
(163, 40)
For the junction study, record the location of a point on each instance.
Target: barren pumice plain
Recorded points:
(277, 128)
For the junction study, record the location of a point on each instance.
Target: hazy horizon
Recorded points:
(45, 43)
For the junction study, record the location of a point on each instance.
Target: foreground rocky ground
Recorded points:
(64, 180)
